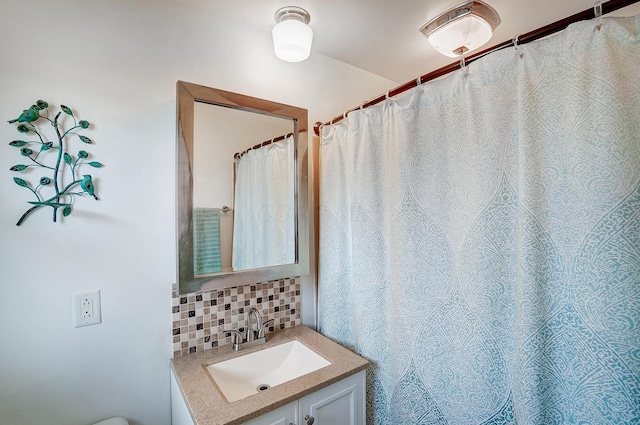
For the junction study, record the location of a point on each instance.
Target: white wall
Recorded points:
(116, 62)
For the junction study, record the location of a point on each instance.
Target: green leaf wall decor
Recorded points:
(64, 181)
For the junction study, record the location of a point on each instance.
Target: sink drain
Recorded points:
(263, 387)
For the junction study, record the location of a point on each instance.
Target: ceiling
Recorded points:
(382, 37)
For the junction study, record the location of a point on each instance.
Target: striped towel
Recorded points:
(206, 241)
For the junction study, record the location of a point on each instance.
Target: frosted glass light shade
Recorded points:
(292, 40)
(462, 29)
(461, 36)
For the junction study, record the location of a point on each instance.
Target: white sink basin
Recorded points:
(249, 374)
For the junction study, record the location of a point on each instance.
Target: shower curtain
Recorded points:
(480, 238)
(264, 226)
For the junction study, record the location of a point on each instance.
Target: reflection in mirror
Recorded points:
(246, 234)
(242, 191)
(264, 225)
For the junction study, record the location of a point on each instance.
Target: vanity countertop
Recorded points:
(208, 406)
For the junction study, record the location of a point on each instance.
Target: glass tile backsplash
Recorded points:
(202, 320)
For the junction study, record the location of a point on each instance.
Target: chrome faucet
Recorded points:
(252, 336)
(251, 333)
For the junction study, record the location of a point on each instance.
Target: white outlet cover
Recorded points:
(86, 316)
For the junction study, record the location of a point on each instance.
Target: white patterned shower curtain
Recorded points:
(480, 238)
(264, 223)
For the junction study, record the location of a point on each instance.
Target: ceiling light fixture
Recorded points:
(292, 35)
(462, 29)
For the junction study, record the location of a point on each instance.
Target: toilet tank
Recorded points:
(114, 421)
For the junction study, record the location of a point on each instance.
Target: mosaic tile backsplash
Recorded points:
(202, 320)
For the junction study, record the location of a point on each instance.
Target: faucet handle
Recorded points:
(236, 337)
(264, 326)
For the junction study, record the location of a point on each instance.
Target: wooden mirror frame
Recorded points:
(187, 94)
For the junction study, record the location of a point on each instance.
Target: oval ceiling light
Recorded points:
(292, 36)
(462, 28)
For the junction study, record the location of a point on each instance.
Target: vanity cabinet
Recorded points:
(179, 411)
(332, 395)
(285, 415)
(342, 403)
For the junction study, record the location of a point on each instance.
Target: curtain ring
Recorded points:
(516, 41)
(597, 13)
(332, 126)
(386, 96)
(418, 81)
(464, 67)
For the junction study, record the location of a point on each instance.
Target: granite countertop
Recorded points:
(209, 407)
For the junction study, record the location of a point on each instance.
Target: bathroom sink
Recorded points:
(249, 374)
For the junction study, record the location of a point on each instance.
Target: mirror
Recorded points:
(229, 232)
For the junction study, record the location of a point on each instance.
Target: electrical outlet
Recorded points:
(86, 308)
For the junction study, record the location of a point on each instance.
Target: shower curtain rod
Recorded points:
(268, 142)
(607, 7)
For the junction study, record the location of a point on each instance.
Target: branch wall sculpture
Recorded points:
(42, 155)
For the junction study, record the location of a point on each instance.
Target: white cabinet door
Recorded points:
(285, 415)
(179, 411)
(342, 403)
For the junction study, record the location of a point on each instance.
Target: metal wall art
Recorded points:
(43, 155)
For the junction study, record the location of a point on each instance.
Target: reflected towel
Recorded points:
(206, 241)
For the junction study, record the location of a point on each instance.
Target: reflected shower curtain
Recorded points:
(264, 226)
(480, 238)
